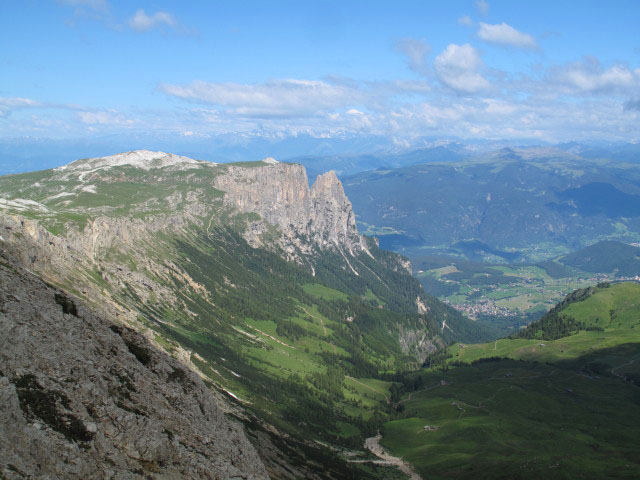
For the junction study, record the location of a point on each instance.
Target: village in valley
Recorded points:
(529, 291)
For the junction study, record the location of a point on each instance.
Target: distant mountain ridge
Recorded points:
(606, 257)
(515, 201)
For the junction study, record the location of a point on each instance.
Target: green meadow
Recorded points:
(531, 408)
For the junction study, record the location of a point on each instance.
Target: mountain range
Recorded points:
(169, 317)
(514, 204)
(249, 277)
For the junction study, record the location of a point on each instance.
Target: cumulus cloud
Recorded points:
(589, 75)
(457, 67)
(466, 21)
(504, 34)
(276, 97)
(416, 52)
(482, 6)
(141, 22)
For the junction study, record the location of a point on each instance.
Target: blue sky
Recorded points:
(542, 70)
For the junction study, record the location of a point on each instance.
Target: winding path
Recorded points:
(324, 329)
(369, 387)
(613, 370)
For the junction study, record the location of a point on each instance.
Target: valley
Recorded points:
(253, 279)
(521, 228)
(321, 344)
(507, 296)
(319, 240)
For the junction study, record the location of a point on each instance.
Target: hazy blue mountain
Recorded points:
(510, 204)
(349, 165)
(606, 257)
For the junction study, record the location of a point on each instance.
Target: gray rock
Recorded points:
(83, 397)
(320, 216)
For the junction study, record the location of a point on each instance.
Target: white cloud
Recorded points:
(141, 22)
(466, 21)
(436, 113)
(18, 102)
(9, 104)
(99, 10)
(499, 107)
(416, 52)
(482, 6)
(504, 34)
(109, 117)
(457, 67)
(273, 98)
(408, 87)
(589, 75)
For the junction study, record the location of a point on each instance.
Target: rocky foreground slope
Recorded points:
(83, 397)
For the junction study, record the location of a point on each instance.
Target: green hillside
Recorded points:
(518, 420)
(587, 320)
(526, 407)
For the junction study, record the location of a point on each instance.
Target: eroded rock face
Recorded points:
(334, 222)
(320, 216)
(85, 398)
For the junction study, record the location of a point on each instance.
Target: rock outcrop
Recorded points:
(83, 397)
(320, 216)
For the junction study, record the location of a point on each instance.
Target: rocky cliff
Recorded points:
(320, 216)
(83, 397)
(159, 191)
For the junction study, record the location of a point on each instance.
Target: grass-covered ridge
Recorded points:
(518, 407)
(589, 319)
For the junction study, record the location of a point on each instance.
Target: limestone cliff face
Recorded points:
(85, 398)
(320, 216)
(334, 220)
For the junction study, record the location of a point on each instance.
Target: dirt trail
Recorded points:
(418, 391)
(369, 387)
(373, 445)
(613, 370)
(318, 318)
(272, 337)
(324, 329)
